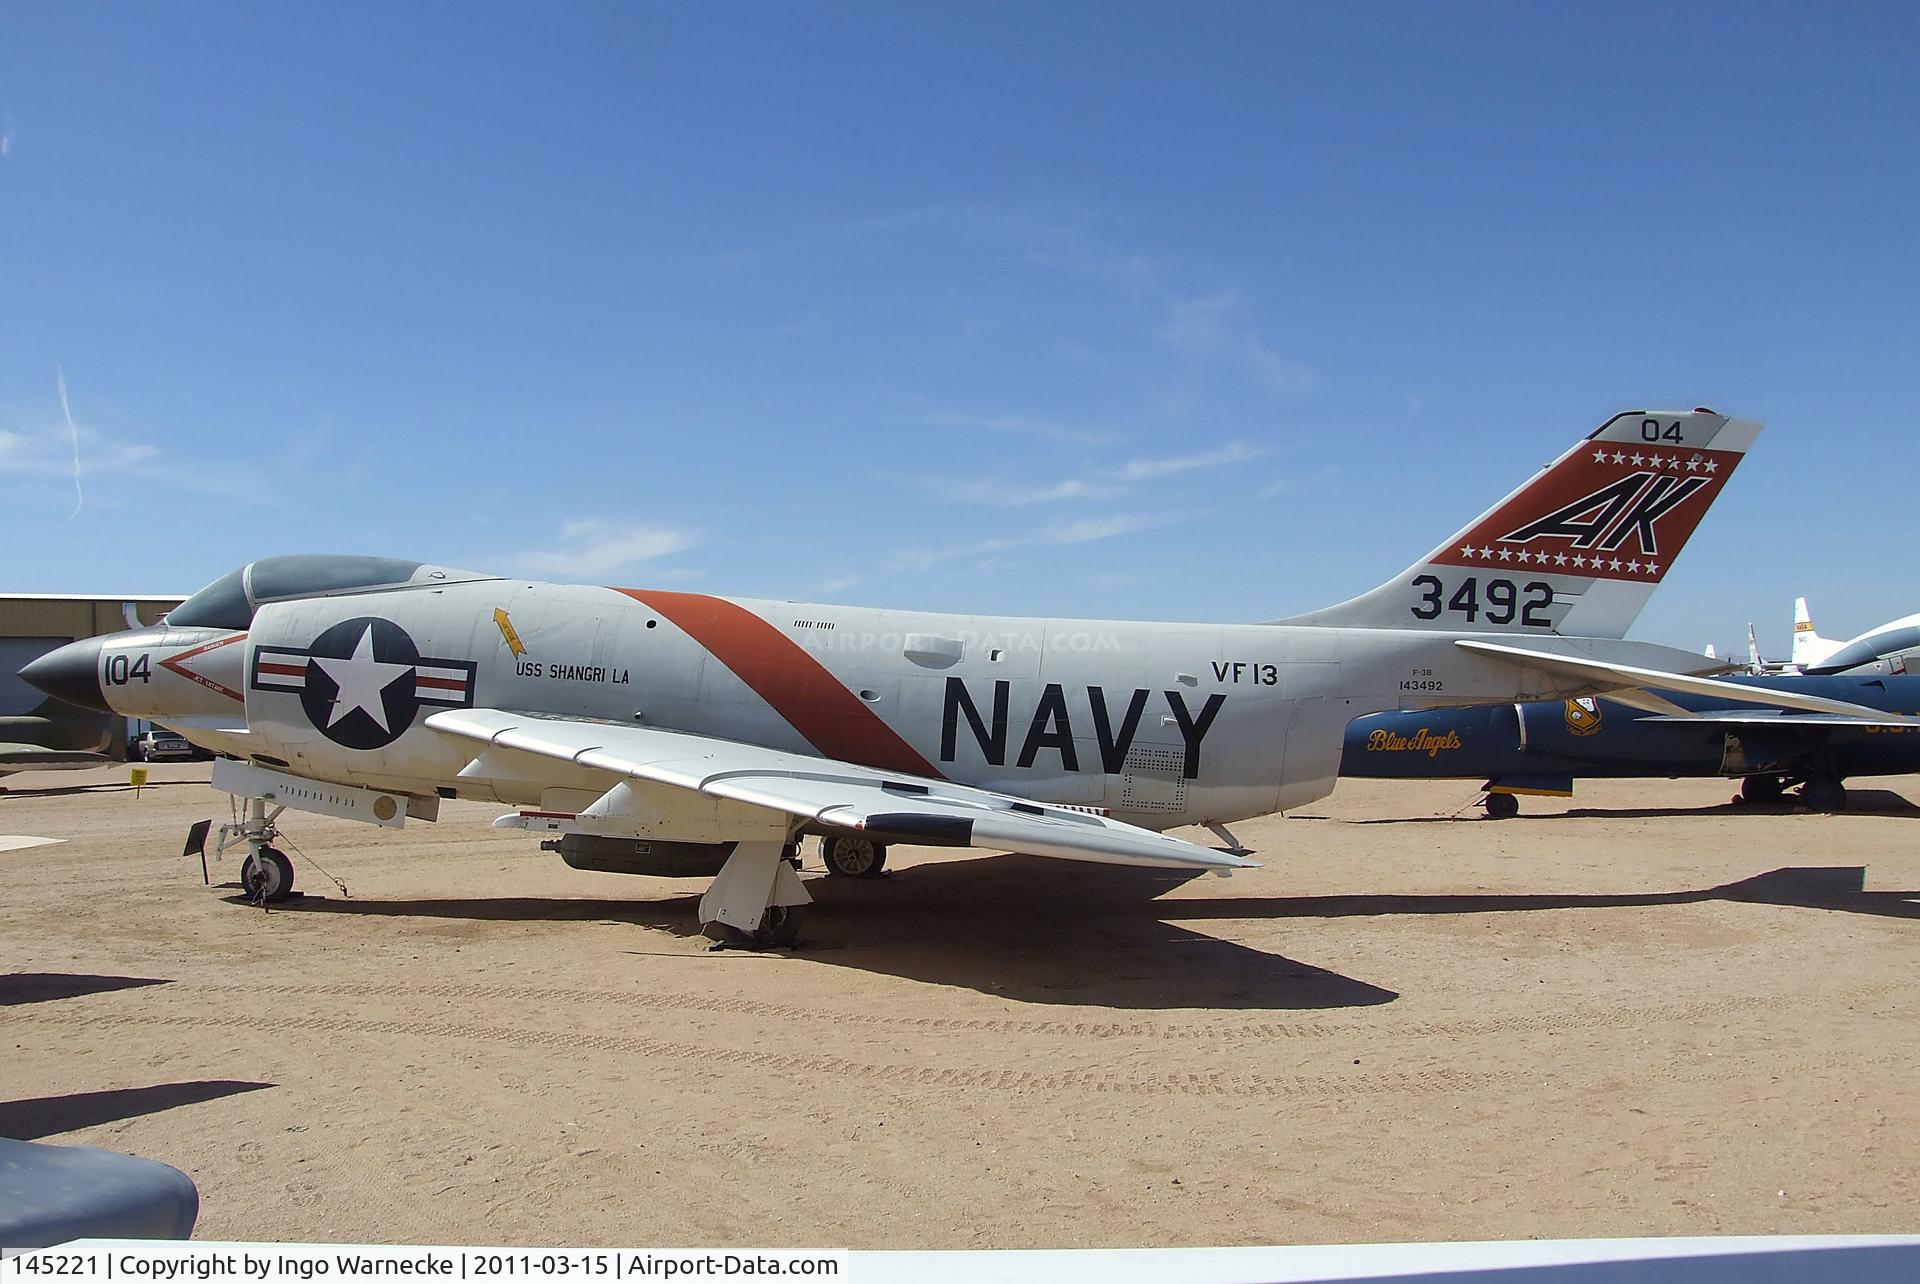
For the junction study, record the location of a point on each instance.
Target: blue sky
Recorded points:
(1209, 312)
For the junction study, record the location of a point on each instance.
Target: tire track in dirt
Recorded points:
(1521, 1022)
(1232, 1084)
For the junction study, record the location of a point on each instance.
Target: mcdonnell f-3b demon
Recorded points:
(667, 732)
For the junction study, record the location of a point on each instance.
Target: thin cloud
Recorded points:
(840, 583)
(53, 451)
(79, 496)
(1286, 485)
(1084, 531)
(1014, 496)
(593, 549)
(1212, 327)
(1112, 484)
(1017, 425)
(1138, 470)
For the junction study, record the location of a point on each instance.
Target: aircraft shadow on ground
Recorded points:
(1038, 931)
(36, 1117)
(1837, 887)
(44, 987)
(1041, 931)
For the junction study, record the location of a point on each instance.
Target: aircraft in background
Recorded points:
(1756, 665)
(1542, 747)
(671, 732)
(1809, 648)
(1881, 650)
(55, 736)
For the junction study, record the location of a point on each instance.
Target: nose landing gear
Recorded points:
(266, 873)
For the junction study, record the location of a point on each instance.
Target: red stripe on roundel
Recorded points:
(441, 684)
(284, 670)
(799, 688)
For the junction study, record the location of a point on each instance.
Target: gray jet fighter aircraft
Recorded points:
(671, 732)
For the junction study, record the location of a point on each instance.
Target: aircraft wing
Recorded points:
(14, 757)
(1783, 718)
(827, 792)
(1607, 676)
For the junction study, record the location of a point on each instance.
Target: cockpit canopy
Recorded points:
(230, 601)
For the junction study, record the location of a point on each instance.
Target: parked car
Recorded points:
(161, 745)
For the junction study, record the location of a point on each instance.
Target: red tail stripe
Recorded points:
(834, 720)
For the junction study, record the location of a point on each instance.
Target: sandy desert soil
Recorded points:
(1641, 1012)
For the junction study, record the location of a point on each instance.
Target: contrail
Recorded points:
(79, 496)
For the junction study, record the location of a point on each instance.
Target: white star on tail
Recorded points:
(362, 680)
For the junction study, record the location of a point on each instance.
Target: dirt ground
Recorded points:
(1644, 1012)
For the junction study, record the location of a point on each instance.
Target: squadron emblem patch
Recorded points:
(363, 681)
(1583, 716)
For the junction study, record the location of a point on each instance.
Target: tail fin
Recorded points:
(1579, 548)
(1754, 664)
(1809, 648)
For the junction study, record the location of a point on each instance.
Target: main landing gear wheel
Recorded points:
(779, 928)
(1761, 789)
(270, 877)
(853, 856)
(1824, 793)
(1502, 806)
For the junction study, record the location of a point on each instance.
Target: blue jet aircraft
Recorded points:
(1541, 747)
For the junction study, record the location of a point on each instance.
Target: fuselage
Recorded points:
(1161, 724)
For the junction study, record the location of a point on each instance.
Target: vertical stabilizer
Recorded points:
(1579, 548)
(1809, 648)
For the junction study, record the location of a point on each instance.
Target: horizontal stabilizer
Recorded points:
(1605, 677)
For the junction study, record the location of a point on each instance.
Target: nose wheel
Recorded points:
(267, 875)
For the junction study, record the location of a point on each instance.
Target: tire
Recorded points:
(1761, 789)
(779, 926)
(1502, 806)
(1824, 793)
(277, 871)
(853, 856)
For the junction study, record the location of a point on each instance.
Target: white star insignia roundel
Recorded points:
(362, 680)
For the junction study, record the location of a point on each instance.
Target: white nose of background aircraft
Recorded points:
(665, 732)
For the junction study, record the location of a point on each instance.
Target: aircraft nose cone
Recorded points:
(71, 673)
